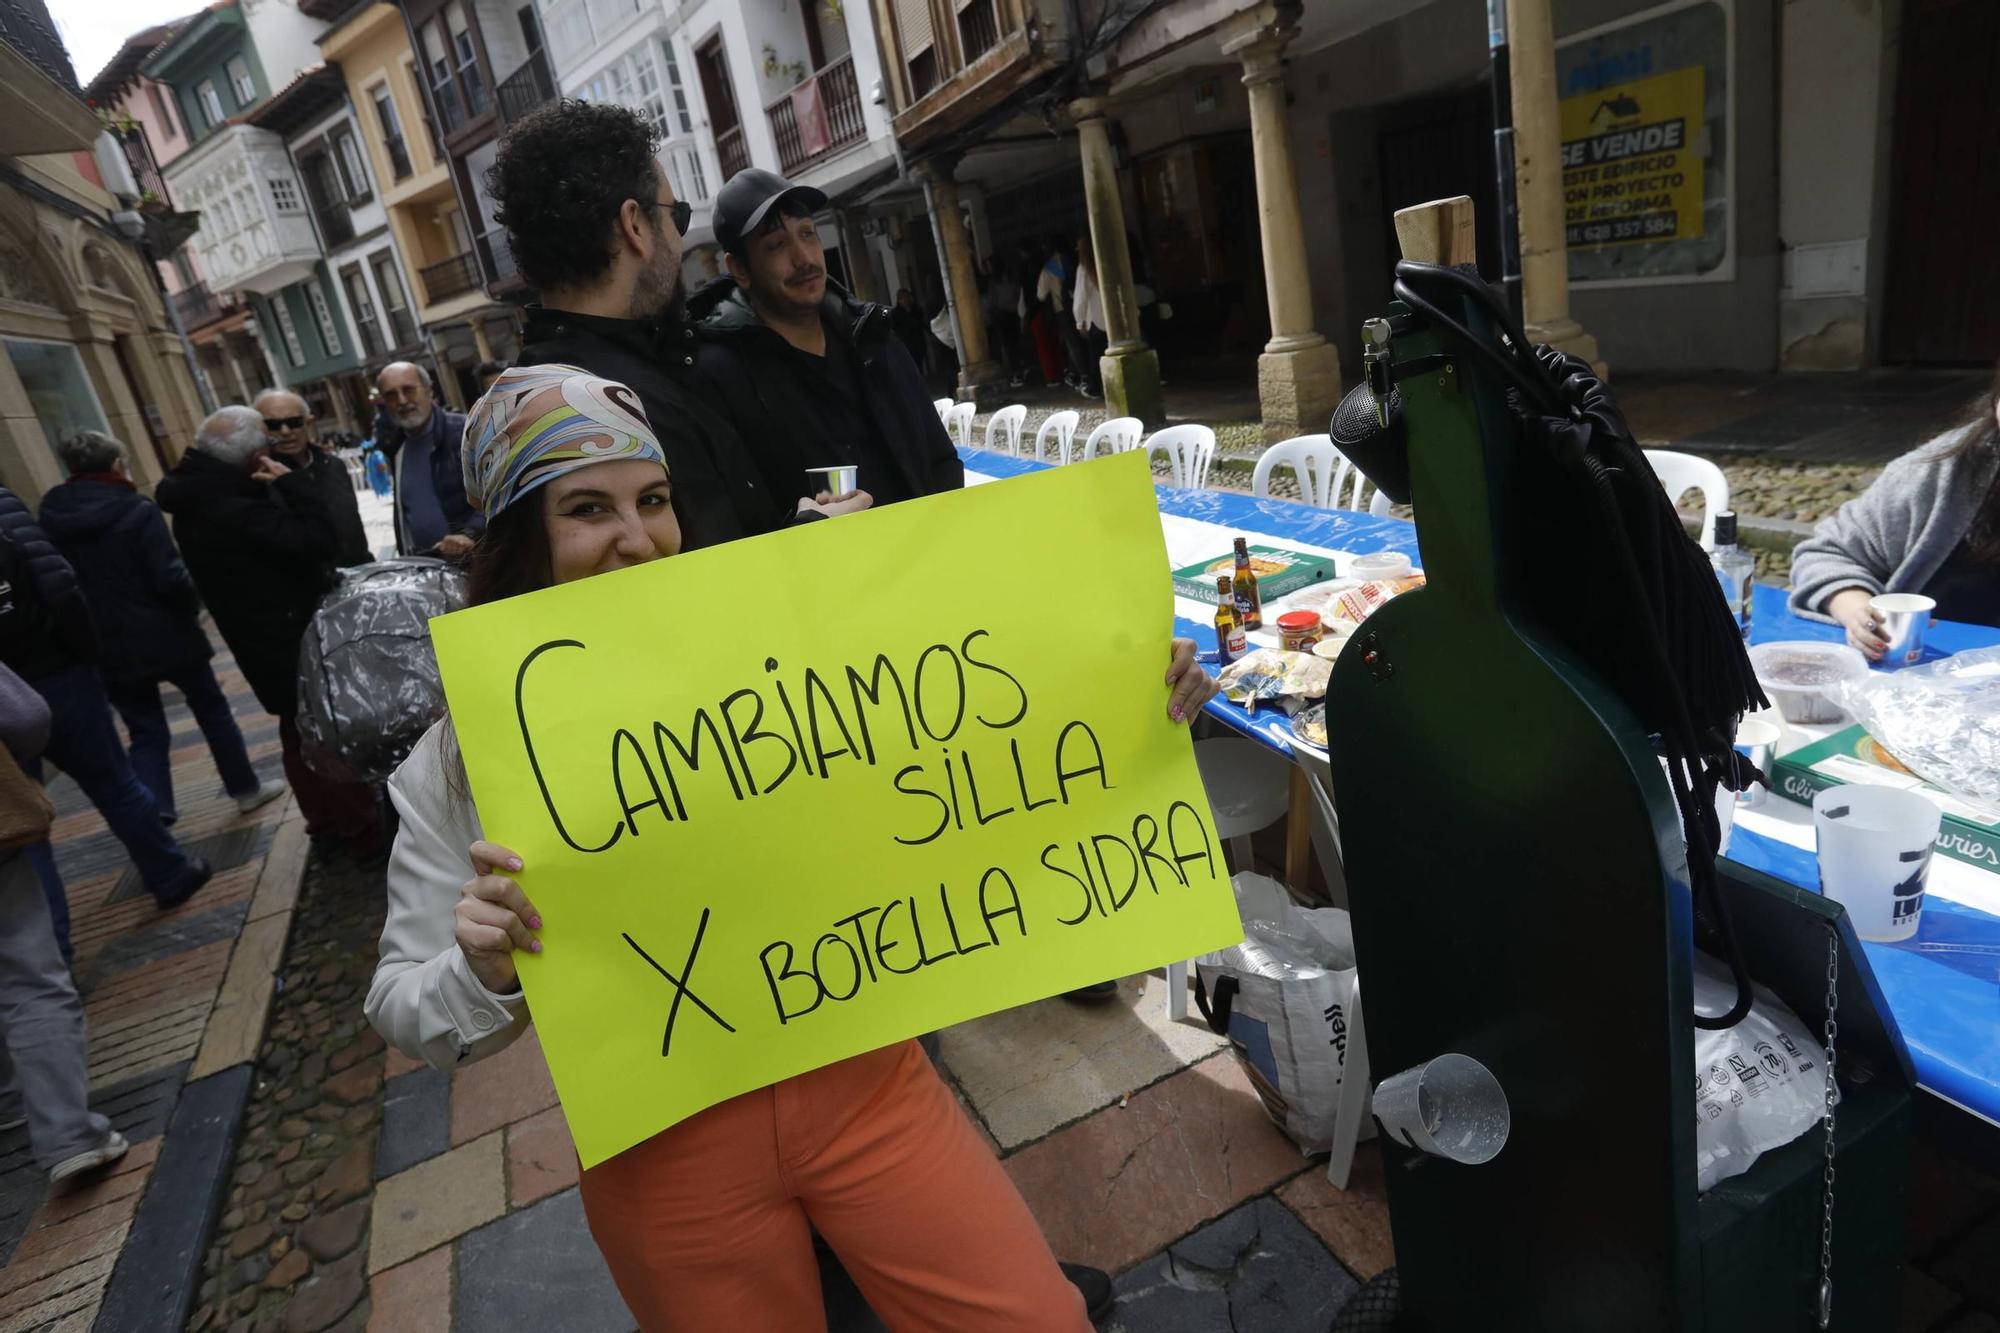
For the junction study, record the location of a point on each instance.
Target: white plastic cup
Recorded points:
(1450, 1107)
(1757, 741)
(1906, 617)
(1381, 566)
(1875, 847)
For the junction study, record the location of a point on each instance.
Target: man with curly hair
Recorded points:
(595, 228)
(808, 375)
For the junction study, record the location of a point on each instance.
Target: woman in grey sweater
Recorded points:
(1930, 524)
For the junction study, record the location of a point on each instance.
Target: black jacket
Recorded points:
(447, 473)
(719, 495)
(336, 489)
(749, 371)
(262, 554)
(45, 624)
(133, 577)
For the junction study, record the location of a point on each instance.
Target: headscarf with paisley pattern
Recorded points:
(537, 422)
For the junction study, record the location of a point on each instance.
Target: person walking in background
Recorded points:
(288, 430)
(48, 639)
(132, 577)
(1003, 318)
(421, 443)
(261, 546)
(41, 1018)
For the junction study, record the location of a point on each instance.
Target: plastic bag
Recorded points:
(1288, 999)
(1940, 720)
(1276, 675)
(1758, 1085)
(368, 677)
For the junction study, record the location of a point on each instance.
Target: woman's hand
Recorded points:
(494, 918)
(1850, 607)
(1192, 687)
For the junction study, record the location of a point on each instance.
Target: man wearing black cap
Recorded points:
(809, 376)
(595, 228)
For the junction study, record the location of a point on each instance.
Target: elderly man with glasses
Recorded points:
(290, 430)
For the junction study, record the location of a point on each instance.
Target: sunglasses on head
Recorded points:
(680, 210)
(284, 423)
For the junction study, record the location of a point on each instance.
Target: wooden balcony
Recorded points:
(821, 116)
(731, 153)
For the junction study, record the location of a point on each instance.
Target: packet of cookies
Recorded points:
(1358, 603)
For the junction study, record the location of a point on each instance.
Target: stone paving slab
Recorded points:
(1030, 1070)
(537, 1268)
(1255, 1268)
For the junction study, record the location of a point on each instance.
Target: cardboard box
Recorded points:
(1970, 830)
(1279, 571)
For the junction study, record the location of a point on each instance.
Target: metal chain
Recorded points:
(1825, 1311)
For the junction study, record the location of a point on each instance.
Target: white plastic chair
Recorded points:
(942, 405)
(1058, 428)
(1003, 429)
(1328, 479)
(1680, 472)
(1115, 436)
(1189, 450)
(958, 424)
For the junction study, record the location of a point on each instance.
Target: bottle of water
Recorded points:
(1734, 568)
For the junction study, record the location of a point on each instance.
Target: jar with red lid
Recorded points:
(1299, 630)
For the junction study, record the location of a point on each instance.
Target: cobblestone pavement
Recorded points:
(169, 999)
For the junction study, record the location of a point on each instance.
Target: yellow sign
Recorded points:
(926, 773)
(1632, 165)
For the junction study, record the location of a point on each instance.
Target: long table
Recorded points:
(1943, 985)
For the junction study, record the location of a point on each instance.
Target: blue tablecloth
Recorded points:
(1943, 986)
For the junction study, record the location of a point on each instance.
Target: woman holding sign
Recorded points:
(709, 1223)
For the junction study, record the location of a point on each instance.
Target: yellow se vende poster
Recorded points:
(796, 798)
(1632, 161)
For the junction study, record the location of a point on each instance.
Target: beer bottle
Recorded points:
(1230, 643)
(1249, 605)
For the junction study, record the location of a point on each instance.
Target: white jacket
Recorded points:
(424, 1000)
(1089, 301)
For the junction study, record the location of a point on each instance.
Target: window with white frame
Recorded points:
(569, 32)
(281, 312)
(329, 332)
(679, 88)
(163, 108)
(353, 172)
(240, 81)
(211, 104)
(361, 302)
(285, 194)
(633, 80)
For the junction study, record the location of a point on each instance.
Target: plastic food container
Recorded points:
(1383, 565)
(1798, 673)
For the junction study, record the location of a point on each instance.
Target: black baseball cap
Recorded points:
(743, 203)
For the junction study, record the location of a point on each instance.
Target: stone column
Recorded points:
(1538, 187)
(1298, 376)
(1129, 368)
(980, 378)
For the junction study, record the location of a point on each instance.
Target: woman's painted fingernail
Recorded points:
(534, 923)
(534, 946)
(513, 863)
(1176, 711)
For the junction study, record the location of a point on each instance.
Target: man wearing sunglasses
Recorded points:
(293, 442)
(594, 227)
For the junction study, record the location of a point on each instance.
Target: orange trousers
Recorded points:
(707, 1226)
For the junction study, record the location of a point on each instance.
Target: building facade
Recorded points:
(85, 340)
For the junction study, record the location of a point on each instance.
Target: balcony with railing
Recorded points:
(454, 277)
(731, 153)
(199, 306)
(822, 115)
(526, 88)
(145, 170)
(25, 26)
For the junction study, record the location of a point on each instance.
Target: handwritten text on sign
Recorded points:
(921, 772)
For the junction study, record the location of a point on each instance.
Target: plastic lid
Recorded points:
(1725, 528)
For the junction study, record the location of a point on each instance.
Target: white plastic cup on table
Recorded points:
(1875, 847)
(1450, 1107)
(1757, 741)
(1906, 617)
(1379, 567)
